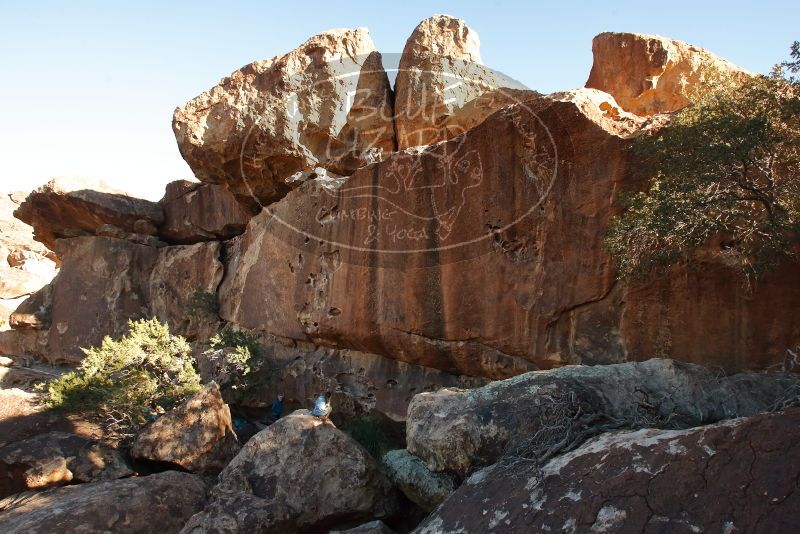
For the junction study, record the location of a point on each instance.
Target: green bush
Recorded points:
(725, 172)
(125, 380)
(203, 303)
(240, 339)
(371, 436)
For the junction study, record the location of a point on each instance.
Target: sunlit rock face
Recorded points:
(648, 74)
(328, 104)
(442, 88)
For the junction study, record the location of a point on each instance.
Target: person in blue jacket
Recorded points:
(277, 407)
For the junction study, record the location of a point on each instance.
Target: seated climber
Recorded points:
(322, 406)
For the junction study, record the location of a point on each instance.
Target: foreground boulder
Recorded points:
(410, 475)
(528, 415)
(735, 476)
(327, 103)
(195, 212)
(71, 207)
(442, 88)
(299, 473)
(56, 459)
(648, 74)
(196, 436)
(135, 505)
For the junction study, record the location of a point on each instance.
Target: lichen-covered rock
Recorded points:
(410, 475)
(458, 431)
(299, 473)
(648, 74)
(439, 79)
(196, 436)
(195, 212)
(71, 207)
(325, 104)
(161, 502)
(56, 459)
(735, 476)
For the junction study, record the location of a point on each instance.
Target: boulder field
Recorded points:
(432, 253)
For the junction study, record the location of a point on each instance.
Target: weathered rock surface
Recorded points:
(102, 283)
(195, 212)
(71, 207)
(440, 76)
(361, 382)
(410, 475)
(373, 527)
(25, 264)
(327, 103)
(735, 476)
(649, 74)
(134, 505)
(196, 436)
(56, 459)
(299, 473)
(178, 277)
(526, 196)
(457, 431)
(34, 312)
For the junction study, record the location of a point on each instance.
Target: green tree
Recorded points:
(724, 173)
(125, 380)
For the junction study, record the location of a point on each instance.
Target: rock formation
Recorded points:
(71, 207)
(196, 436)
(373, 527)
(163, 501)
(457, 431)
(56, 459)
(442, 88)
(195, 212)
(735, 476)
(25, 264)
(648, 74)
(326, 104)
(410, 475)
(298, 474)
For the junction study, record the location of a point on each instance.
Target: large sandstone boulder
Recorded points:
(25, 265)
(161, 502)
(195, 212)
(56, 459)
(327, 104)
(410, 475)
(71, 207)
(298, 474)
(362, 383)
(648, 74)
(735, 476)
(196, 436)
(442, 87)
(457, 431)
(394, 260)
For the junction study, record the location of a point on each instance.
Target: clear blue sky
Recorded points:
(88, 88)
